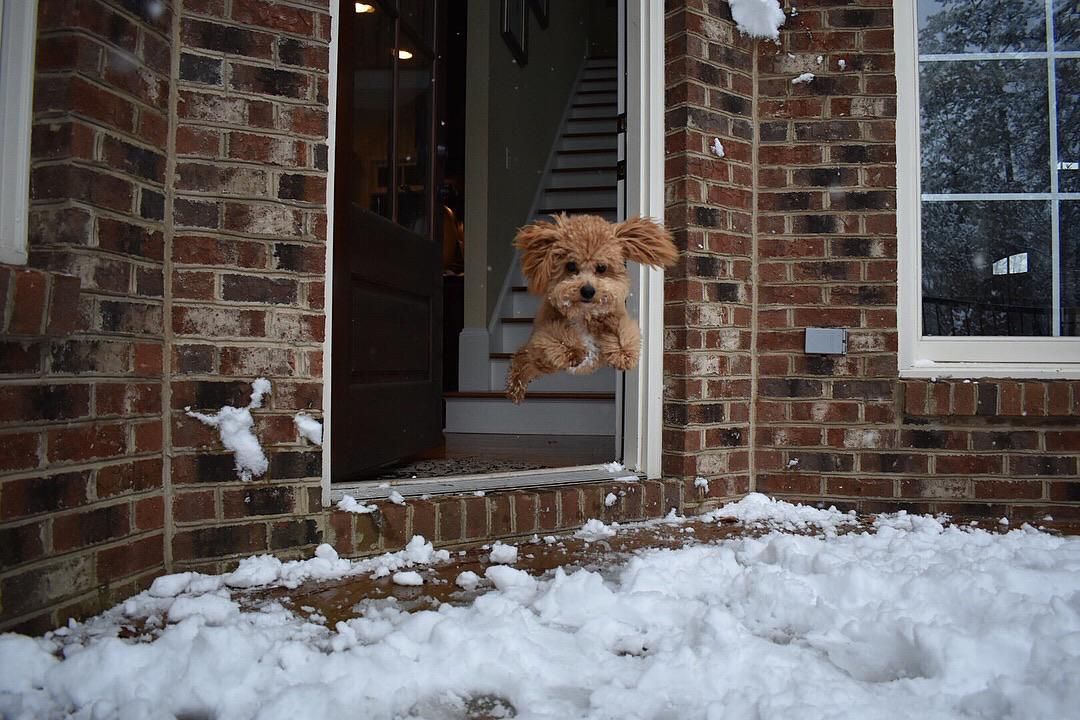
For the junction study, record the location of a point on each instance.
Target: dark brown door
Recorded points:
(387, 300)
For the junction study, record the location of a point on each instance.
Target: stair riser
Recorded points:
(511, 336)
(579, 199)
(604, 142)
(585, 178)
(596, 97)
(600, 111)
(600, 158)
(533, 417)
(523, 305)
(603, 380)
(608, 215)
(600, 73)
(598, 124)
(605, 84)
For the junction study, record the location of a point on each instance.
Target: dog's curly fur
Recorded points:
(578, 265)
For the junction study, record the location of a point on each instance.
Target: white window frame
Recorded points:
(964, 357)
(18, 35)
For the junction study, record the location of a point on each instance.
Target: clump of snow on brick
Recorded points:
(610, 499)
(467, 580)
(504, 554)
(409, 578)
(236, 428)
(758, 18)
(702, 483)
(717, 148)
(396, 498)
(595, 529)
(350, 504)
(308, 427)
(804, 79)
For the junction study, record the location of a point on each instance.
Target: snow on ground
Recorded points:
(915, 620)
(758, 18)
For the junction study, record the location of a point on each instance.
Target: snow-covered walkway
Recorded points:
(912, 620)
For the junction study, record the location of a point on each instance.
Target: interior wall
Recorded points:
(513, 119)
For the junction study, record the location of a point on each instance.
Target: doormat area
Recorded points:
(448, 467)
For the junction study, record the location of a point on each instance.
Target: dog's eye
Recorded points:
(571, 267)
(601, 269)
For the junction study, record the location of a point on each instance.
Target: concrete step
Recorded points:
(603, 380)
(539, 414)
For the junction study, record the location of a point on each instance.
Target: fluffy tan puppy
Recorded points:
(578, 265)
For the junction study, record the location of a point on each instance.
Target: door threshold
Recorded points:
(471, 484)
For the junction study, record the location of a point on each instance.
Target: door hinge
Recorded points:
(620, 170)
(620, 122)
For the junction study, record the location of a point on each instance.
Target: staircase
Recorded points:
(580, 179)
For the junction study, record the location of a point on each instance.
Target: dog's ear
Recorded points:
(647, 242)
(537, 264)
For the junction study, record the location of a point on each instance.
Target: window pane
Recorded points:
(369, 134)
(986, 268)
(1070, 268)
(973, 26)
(415, 97)
(1066, 25)
(984, 126)
(1068, 114)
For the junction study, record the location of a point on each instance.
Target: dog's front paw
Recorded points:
(622, 359)
(571, 357)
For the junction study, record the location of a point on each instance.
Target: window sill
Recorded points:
(931, 370)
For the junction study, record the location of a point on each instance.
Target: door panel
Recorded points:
(386, 368)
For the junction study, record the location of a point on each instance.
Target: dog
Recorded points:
(578, 265)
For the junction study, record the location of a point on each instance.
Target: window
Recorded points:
(17, 38)
(988, 210)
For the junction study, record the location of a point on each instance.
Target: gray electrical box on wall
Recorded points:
(826, 341)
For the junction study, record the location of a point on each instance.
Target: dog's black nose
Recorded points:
(587, 292)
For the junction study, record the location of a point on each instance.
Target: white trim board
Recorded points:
(960, 357)
(18, 36)
(328, 298)
(470, 484)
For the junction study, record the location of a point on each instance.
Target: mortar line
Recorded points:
(169, 232)
(751, 440)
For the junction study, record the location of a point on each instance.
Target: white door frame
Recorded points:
(644, 387)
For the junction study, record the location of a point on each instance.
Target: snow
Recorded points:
(408, 577)
(396, 498)
(504, 554)
(913, 620)
(717, 148)
(614, 467)
(236, 428)
(703, 483)
(610, 499)
(758, 18)
(348, 503)
(595, 529)
(308, 427)
(841, 63)
(804, 79)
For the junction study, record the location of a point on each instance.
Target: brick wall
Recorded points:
(708, 366)
(81, 492)
(247, 262)
(845, 429)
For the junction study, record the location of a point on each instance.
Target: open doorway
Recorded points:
(457, 123)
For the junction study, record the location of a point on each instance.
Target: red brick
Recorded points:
(130, 558)
(28, 303)
(450, 520)
(86, 442)
(476, 520)
(90, 527)
(525, 518)
(193, 506)
(21, 451)
(150, 513)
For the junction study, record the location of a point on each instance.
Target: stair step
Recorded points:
(583, 179)
(581, 188)
(542, 413)
(602, 380)
(579, 202)
(602, 124)
(572, 159)
(581, 210)
(608, 142)
(589, 111)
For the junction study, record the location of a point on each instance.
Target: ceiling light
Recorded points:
(404, 55)
(364, 8)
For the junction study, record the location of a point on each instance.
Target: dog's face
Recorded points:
(579, 262)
